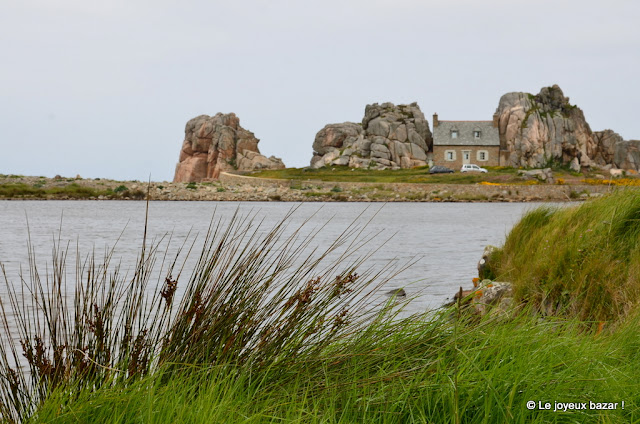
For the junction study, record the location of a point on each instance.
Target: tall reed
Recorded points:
(254, 299)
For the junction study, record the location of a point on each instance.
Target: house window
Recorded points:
(450, 155)
(476, 134)
(482, 155)
(454, 134)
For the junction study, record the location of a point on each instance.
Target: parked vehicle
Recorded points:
(470, 167)
(437, 169)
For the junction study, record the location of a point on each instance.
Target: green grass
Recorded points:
(416, 370)
(415, 175)
(72, 191)
(581, 261)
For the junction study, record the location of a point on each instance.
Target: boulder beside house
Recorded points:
(389, 136)
(456, 143)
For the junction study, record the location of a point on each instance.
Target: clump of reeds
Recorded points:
(578, 261)
(253, 299)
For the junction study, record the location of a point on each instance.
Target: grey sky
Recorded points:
(104, 89)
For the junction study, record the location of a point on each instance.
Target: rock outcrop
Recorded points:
(218, 143)
(611, 149)
(537, 130)
(389, 136)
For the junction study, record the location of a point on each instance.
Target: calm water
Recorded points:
(445, 239)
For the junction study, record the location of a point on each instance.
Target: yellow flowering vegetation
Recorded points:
(624, 182)
(529, 182)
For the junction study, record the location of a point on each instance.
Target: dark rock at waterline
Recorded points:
(489, 297)
(397, 292)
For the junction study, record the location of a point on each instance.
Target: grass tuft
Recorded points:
(582, 261)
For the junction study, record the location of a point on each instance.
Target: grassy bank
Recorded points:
(256, 335)
(579, 261)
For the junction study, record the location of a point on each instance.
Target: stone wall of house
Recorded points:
(439, 158)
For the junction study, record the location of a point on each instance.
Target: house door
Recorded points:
(466, 156)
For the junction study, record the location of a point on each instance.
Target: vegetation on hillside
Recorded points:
(578, 261)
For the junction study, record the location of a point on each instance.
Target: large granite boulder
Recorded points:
(389, 136)
(218, 143)
(537, 130)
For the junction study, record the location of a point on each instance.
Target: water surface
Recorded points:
(445, 240)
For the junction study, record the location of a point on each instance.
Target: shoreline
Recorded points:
(232, 187)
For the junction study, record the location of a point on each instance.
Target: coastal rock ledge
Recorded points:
(213, 144)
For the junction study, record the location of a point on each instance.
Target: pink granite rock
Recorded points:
(213, 144)
(537, 130)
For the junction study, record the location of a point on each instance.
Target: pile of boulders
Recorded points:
(389, 136)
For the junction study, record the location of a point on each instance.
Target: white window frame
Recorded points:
(454, 133)
(477, 134)
(479, 155)
(446, 155)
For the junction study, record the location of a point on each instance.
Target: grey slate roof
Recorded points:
(488, 133)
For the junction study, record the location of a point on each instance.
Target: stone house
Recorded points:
(460, 142)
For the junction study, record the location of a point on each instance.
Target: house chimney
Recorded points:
(495, 120)
(435, 120)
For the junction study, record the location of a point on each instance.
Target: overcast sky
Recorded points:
(104, 89)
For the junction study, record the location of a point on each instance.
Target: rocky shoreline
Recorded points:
(232, 187)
